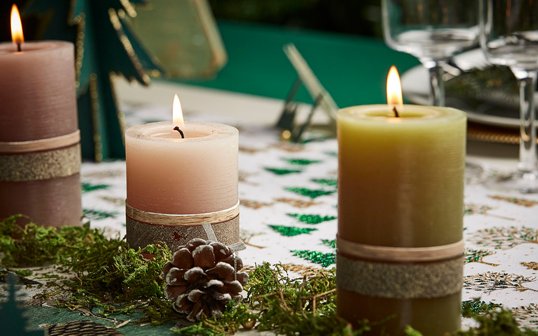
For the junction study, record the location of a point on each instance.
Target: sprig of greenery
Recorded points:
(492, 320)
(107, 274)
(285, 305)
(110, 278)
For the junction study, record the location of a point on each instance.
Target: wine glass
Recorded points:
(432, 31)
(509, 36)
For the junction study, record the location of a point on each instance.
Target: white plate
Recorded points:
(416, 89)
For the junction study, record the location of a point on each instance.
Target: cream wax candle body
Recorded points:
(174, 175)
(187, 181)
(38, 103)
(400, 186)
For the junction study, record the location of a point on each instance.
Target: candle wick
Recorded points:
(19, 48)
(180, 132)
(395, 110)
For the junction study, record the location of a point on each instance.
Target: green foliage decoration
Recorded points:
(104, 273)
(105, 277)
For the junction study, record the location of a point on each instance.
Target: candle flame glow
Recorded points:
(177, 112)
(16, 26)
(394, 89)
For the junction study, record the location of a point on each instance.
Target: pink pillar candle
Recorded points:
(173, 175)
(38, 102)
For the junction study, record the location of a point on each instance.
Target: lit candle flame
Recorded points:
(394, 89)
(177, 112)
(16, 27)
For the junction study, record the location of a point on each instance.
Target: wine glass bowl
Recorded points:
(509, 36)
(432, 31)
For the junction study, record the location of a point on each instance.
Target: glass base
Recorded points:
(525, 182)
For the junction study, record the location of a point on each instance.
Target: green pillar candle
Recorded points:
(400, 186)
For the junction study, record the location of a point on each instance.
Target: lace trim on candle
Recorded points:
(399, 254)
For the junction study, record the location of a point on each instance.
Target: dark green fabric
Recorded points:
(353, 69)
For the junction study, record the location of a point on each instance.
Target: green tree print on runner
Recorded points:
(329, 182)
(290, 231)
(300, 162)
(98, 214)
(310, 193)
(324, 259)
(87, 187)
(311, 219)
(282, 171)
(329, 242)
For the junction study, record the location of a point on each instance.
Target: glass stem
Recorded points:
(437, 84)
(527, 142)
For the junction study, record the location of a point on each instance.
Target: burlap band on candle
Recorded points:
(40, 159)
(399, 272)
(145, 228)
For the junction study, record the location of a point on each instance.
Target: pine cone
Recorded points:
(202, 278)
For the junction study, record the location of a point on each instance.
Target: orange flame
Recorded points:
(177, 112)
(394, 89)
(16, 26)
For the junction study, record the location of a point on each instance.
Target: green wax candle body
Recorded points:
(401, 185)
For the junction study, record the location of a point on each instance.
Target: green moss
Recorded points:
(107, 277)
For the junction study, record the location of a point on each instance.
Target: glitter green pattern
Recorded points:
(98, 214)
(320, 258)
(326, 182)
(301, 162)
(329, 242)
(311, 193)
(475, 255)
(87, 187)
(282, 171)
(312, 219)
(290, 231)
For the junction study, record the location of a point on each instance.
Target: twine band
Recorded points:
(40, 144)
(400, 281)
(399, 254)
(32, 166)
(144, 228)
(181, 219)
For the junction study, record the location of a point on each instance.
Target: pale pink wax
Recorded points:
(37, 91)
(168, 174)
(38, 101)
